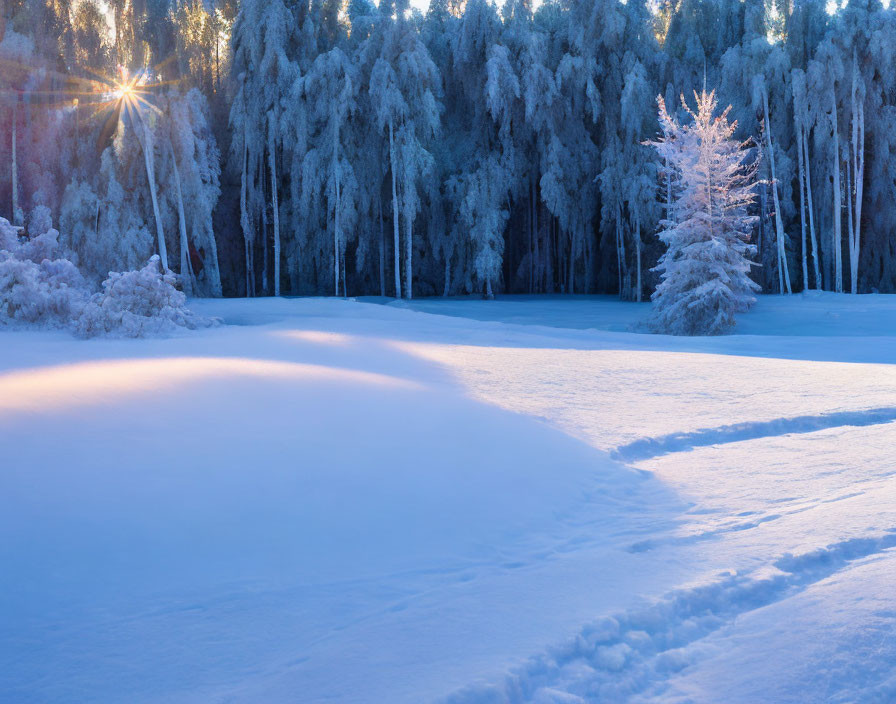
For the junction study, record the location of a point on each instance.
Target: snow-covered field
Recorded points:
(453, 500)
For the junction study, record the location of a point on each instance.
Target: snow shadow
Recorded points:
(648, 448)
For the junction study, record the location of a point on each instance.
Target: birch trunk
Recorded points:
(858, 171)
(379, 202)
(837, 234)
(849, 211)
(638, 256)
(336, 209)
(783, 271)
(447, 291)
(539, 269)
(244, 216)
(396, 243)
(16, 212)
(336, 242)
(620, 253)
(409, 250)
(265, 281)
(802, 177)
(272, 163)
(186, 269)
(151, 177)
(816, 260)
(211, 262)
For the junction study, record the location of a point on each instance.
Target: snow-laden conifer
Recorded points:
(705, 270)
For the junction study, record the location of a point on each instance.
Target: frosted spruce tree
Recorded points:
(705, 270)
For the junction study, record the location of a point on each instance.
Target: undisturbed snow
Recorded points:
(453, 500)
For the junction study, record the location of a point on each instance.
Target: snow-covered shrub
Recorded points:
(39, 284)
(45, 246)
(705, 270)
(40, 220)
(9, 238)
(51, 292)
(138, 304)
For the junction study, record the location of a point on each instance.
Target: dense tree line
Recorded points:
(326, 147)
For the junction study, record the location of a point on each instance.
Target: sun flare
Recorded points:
(124, 91)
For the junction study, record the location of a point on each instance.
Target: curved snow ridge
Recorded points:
(635, 652)
(87, 383)
(647, 448)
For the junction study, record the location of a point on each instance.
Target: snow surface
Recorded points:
(453, 501)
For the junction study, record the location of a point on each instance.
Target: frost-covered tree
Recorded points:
(705, 270)
(404, 88)
(264, 76)
(193, 163)
(485, 172)
(331, 87)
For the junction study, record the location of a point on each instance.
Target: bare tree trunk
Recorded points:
(379, 202)
(836, 235)
(265, 281)
(815, 253)
(802, 180)
(17, 218)
(849, 211)
(620, 249)
(447, 290)
(214, 269)
(272, 163)
(397, 245)
(186, 269)
(638, 256)
(858, 171)
(783, 271)
(539, 269)
(151, 177)
(336, 211)
(336, 242)
(244, 216)
(409, 250)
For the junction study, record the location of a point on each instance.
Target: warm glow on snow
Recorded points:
(318, 337)
(91, 383)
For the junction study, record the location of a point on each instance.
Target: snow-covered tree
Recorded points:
(705, 270)
(404, 88)
(193, 164)
(328, 172)
(264, 76)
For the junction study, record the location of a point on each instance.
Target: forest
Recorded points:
(324, 147)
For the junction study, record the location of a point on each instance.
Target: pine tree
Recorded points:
(705, 270)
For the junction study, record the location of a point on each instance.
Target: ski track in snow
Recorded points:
(632, 653)
(630, 656)
(681, 442)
